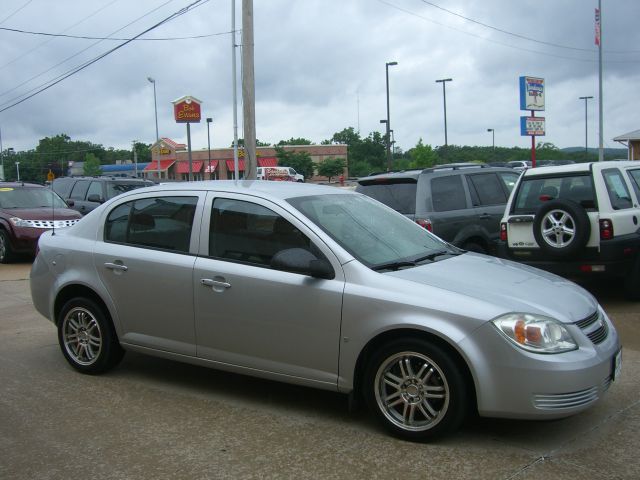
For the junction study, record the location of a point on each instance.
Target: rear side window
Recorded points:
(535, 191)
(62, 186)
(635, 181)
(617, 189)
(80, 190)
(488, 188)
(160, 223)
(401, 196)
(447, 193)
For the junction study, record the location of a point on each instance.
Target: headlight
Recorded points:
(536, 333)
(18, 222)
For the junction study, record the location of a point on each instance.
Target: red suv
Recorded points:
(27, 210)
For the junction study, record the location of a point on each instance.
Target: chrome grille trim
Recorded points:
(51, 223)
(566, 400)
(594, 327)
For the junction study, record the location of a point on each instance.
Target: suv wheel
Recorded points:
(561, 227)
(6, 254)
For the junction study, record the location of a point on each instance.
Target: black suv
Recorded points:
(462, 203)
(86, 193)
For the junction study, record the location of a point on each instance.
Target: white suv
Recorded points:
(577, 220)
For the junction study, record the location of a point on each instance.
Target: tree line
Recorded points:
(366, 154)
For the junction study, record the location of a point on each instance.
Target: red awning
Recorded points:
(153, 165)
(268, 162)
(214, 165)
(183, 167)
(240, 165)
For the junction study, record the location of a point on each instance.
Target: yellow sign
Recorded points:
(50, 176)
(165, 151)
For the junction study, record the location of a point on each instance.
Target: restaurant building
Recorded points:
(171, 159)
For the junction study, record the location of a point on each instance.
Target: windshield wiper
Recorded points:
(432, 256)
(393, 266)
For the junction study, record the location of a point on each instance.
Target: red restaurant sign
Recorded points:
(187, 110)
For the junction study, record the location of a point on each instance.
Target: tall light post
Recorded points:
(443, 81)
(388, 135)
(209, 120)
(18, 170)
(493, 137)
(155, 106)
(586, 130)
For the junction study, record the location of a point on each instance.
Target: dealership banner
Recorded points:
(531, 93)
(532, 126)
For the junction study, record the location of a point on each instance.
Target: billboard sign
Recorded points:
(187, 110)
(531, 93)
(532, 126)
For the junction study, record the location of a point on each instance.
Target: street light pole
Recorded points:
(209, 120)
(586, 130)
(444, 97)
(387, 138)
(493, 137)
(155, 105)
(18, 169)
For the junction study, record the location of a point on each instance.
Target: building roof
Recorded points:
(635, 135)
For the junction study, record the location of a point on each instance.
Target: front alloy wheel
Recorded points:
(416, 389)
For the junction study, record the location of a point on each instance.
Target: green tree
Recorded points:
(296, 141)
(331, 167)
(258, 143)
(91, 165)
(422, 156)
(300, 161)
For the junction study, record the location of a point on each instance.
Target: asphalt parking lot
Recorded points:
(156, 419)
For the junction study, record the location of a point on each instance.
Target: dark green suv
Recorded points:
(86, 193)
(462, 203)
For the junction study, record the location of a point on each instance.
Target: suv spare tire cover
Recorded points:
(561, 227)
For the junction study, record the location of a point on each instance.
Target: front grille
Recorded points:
(566, 400)
(594, 327)
(51, 223)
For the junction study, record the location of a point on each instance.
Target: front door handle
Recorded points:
(484, 216)
(209, 282)
(116, 267)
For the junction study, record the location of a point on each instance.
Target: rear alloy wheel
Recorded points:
(561, 227)
(6, 253)
(474, 247)
(87, 339)
(415, 389)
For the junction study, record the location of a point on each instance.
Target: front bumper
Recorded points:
(25, 239)
(513, 383)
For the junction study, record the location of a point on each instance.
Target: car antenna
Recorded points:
(53, 211)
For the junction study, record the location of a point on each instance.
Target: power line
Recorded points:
(81, 67)
(14, 12)
(84, 37)
(73, 56)
(517, 35)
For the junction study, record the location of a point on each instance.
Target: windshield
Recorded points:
(30, 198)
(116, 188)
(371, 232)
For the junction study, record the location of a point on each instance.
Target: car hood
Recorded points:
(512, 286)
(42, 213)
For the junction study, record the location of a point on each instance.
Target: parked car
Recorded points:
(577, 220)
(461, 203)
(391, 313)
(27, 210)
(89, 192)
(519, 165)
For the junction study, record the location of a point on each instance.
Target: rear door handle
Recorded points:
(209, 282)
(116, 267)
(484, 216)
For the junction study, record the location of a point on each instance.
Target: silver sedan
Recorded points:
(326, 288)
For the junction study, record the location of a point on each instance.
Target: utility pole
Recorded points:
(586, 130)
(234, 82)
(600, 100)
(443, 81)
(388, 135)
(248, 92)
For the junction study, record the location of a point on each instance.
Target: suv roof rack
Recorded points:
(455, 166)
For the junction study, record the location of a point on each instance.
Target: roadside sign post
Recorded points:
(532, 99)
(187, 110)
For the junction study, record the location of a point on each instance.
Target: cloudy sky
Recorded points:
(319, 68)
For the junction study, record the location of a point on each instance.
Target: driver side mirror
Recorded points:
(94, 197)
(299, 260)
(70, 203)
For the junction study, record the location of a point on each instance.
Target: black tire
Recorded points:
(87, 338)
(561, 228)
(6, 252)
(401, 384)
(474, 247)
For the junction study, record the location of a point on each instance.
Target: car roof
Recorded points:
(20, 185)
(580, 167)
(262, 188)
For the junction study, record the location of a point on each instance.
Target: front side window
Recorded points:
(447, 193)
(509, 179)
(370, 232)
(163, 223)
(79, 191)
(116, 188)
(95, 188)
(617, 189)
(488, 188)
(250, 233)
